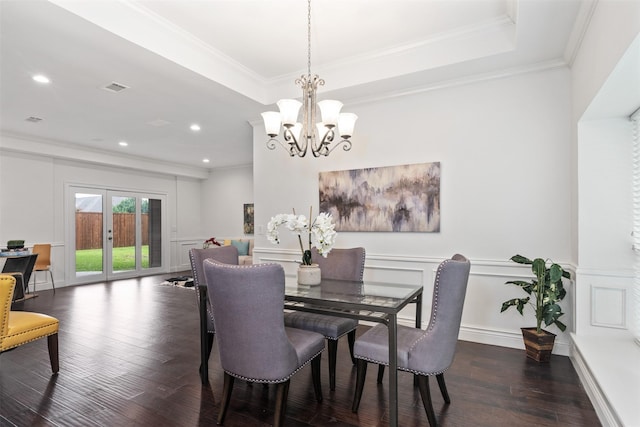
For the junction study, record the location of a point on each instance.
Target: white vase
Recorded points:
(309, 274)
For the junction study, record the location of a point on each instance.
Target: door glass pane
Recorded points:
(123, 252)
(151, 233)
(89, 243)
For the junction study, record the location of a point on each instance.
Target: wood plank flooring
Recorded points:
(129, 356)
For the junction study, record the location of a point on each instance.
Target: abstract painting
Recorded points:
(248, 218)
(402, 198)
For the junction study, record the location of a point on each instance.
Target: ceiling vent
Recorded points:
(115, 87)
(158, 123)
(33, 119)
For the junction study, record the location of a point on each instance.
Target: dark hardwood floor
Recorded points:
(129, 355)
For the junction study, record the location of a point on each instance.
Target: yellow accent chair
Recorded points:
(21, 327)
(43, 263)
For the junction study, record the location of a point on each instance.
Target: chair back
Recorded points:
(7, 285)
(44, 256)
(341, 264)
(433, 352)
(223, 254)
(23, 265)
(247, 303)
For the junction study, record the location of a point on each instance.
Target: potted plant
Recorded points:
(547, 290)
(321, 228)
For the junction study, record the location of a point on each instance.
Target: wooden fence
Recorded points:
(89, 230)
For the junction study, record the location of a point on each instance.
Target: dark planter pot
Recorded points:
(538, 346)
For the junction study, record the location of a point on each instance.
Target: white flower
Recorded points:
(321, 230)
(298, 224)
(272, 227)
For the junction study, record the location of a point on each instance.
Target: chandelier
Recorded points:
(298, 137)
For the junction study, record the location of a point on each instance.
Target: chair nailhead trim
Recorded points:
(257, 380)
(434, 309)
(378, 362)
(31, 340)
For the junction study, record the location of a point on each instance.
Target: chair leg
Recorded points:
(332, 347)
(360, 376)
(226, 397)
(351, 338)
(35, 279)
(282, 390)
(206, 341)
(52, 344)
(380, 373)
(425, 394)
(205, 353)
(53, 285)
(443, 388)
(315, 374)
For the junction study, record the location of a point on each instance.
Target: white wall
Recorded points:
(224, 195)
(605, 214)
(505, 188)
(602, 211)
(32, 190)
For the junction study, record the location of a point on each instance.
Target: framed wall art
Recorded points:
(402, 198)
(248, 218)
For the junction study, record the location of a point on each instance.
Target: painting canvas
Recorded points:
(402, 198)
(248, 218)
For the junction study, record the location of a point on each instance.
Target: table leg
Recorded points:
(393, 370)
(419, 311)
(418, 325)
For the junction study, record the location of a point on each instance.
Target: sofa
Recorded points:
(245, 249)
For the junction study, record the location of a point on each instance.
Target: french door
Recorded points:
(115, 234)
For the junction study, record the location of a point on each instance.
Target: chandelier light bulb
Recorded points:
(330, 111)
(271, 123)
(346, 123)
(289, 111)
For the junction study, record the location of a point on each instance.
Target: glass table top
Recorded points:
(342, 294)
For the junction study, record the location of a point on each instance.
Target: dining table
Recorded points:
(368, 300)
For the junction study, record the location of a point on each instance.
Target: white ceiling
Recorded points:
(219, 63)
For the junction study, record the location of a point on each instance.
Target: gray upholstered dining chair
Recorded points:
(340, 264)
(422, 352)
(226, 255)
(253, 342)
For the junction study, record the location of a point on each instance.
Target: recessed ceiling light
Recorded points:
(40, 78)
(123, 143)
(205, 160)
(195, 127)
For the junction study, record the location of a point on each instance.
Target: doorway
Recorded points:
(114, 234)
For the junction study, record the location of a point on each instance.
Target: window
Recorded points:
(635, 123)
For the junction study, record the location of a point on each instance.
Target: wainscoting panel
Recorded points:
(182, 253)
(602, 303)
(608, 307)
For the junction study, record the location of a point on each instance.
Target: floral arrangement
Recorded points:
(321, 229)
(210, 242)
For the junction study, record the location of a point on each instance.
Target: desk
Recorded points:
(373, 301)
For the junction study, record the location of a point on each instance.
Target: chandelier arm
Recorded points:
(322, 149)
(294, 146)
(345, 147)
(271, 145)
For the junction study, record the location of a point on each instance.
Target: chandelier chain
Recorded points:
(308, 37)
